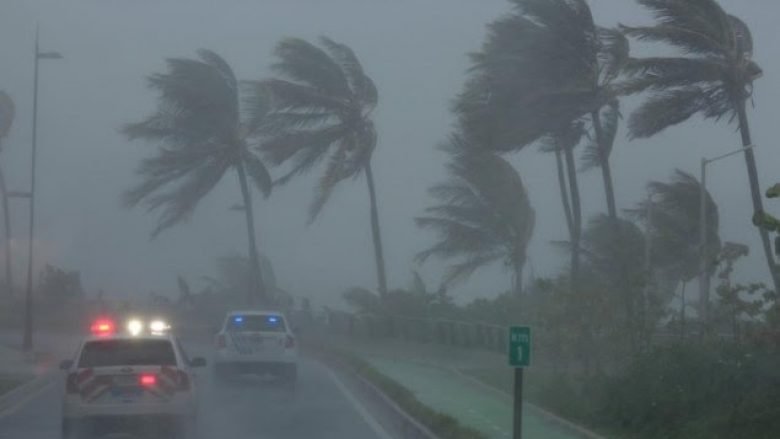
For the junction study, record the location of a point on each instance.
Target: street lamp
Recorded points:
(704, 278)
(28, 302)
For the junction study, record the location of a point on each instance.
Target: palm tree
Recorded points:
(712, 76)
(671, 217)
(484, 214)
(7, 112)
(202, 136)
(322, 110)
(542, 67)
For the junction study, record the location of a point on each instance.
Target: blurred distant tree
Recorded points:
(736, 301)
(484, 214)
(7, 113)
(58, 285)
(202, 137)
(711, 75)
(672, 218)
(234, 277)
(322, 112)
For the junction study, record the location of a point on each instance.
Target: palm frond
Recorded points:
(286, 145)
(664, 73)
(177, 204)
(308, 64)
(666, 109)
(362, 86)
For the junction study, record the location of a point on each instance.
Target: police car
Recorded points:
(256, 342)
(137, 379)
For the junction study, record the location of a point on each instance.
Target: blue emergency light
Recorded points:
(238, 319)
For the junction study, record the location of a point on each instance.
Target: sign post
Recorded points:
(519, 358)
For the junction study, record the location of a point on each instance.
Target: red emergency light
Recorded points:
(102, 327)
(148, 380)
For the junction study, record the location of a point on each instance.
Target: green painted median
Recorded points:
(473, 405)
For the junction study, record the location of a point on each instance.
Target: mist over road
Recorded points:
(246, 408)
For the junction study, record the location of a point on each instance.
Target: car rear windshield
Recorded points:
(256, 323)
(103, 353)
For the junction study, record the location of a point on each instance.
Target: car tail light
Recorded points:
(147, 380)
(221, 342)
(70, 383)
(184, 381)
(289, 343)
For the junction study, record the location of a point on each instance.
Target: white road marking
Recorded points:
(26, 400)
(378, 429)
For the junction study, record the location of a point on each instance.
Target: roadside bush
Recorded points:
(695, 391)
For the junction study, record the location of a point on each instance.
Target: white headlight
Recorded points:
(158, 326)
(135, 326)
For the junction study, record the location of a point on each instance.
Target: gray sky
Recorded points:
(416, 52)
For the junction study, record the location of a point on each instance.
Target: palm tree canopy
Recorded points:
(484, 214)
(322, 104)
(200, 133)
(614, 255)
(674, 224)
(541, 67)
(713, 72)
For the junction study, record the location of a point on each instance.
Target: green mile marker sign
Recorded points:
(519, 346)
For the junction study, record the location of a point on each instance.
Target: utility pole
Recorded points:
(27, 342)
(704, 263)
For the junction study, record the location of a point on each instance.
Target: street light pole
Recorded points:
(704, 275)
(27, 342)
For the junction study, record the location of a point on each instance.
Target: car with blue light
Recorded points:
(137, 380)
(257, 343)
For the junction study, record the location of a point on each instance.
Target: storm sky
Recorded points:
(415, 50)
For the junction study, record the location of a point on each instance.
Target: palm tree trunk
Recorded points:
(258, 286)
(576, 233)
(606, 171)
(755, 190)
(564, 192)
(7, 225)
(379, 256)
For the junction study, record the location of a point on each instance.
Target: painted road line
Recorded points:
(362, 411)
(26, 400)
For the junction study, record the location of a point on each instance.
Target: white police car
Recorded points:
(139, 381)
(256, 342)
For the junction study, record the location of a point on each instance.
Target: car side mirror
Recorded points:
(66, 364)
(198, 362)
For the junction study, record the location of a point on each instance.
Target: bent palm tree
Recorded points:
(322, 110)
(201, 137)
(542, 67)
(7, 112)
(713, 76)
(484, 215)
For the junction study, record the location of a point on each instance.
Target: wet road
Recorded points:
(249, 408)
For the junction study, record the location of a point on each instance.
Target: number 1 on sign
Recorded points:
(520, 354)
